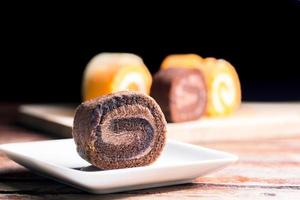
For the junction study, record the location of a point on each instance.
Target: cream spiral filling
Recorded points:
(128, 130)
(223, 92)
(133, 78)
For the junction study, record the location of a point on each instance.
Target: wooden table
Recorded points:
(267, 169)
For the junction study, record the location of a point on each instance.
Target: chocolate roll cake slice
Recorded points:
(119, 130)
(181, 93)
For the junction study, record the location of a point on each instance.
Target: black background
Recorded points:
(44, 50)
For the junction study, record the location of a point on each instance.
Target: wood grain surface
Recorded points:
(267, 169)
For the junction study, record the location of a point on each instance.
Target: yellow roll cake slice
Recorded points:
(112, 72)
(224, 87)
(222, 81)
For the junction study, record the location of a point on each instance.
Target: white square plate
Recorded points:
(58, 159)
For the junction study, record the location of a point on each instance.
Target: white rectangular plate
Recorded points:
(58, 159)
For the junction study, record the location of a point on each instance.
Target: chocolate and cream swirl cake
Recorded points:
(181, 93)
(119, 130)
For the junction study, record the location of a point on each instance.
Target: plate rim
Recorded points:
(228, 157)
(57, 172)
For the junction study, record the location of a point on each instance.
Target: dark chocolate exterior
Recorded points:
(181, 93)
(120, 130)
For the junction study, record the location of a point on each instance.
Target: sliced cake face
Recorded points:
(124, 129)
(224, 87)
(181, 93)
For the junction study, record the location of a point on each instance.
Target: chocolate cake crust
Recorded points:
(124, 129)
